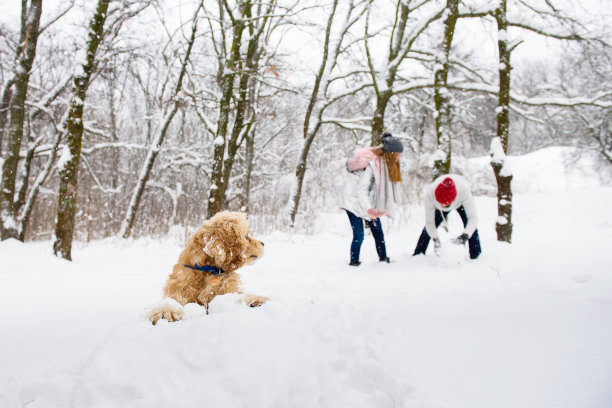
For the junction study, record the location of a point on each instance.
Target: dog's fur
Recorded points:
(223, 242)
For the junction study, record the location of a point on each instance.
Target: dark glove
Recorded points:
(437, 245)
(461, 239)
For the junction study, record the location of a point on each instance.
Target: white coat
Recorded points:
(464, 198)
(359, 192)
(368, 185)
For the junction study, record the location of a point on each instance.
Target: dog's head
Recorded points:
(224, 242)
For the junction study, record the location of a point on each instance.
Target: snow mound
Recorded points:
(546, 170)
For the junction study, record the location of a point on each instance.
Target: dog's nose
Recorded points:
(262, 244)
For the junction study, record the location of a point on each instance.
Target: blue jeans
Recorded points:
(473, 242)
(358, 232)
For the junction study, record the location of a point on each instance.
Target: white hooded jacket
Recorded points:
(359, 193)
(464, 198)
(368, 185)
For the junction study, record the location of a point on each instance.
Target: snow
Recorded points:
(497, 151)
(507, 169)
(8, 220)
(76, 101)
(64, 158)
(528, 324)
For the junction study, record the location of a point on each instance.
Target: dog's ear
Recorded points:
(223, 239)
(214, 247)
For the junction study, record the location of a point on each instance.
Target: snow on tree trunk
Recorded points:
(499, 145)
(16, 94)
(69, 168)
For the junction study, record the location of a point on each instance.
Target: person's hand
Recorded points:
(461, 239)
(437, 246)
(374, 213)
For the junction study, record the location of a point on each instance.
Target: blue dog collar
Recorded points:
(206, 268)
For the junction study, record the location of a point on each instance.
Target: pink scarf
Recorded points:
(360, 160)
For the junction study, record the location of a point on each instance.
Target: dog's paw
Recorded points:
(167, 309)
(169, 315)
(253, 300)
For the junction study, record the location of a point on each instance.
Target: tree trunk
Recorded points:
(246, 65)
(310, 134)
(502, 175)
(26, 52)
(69, 169)
(145, 172)
(238, 130)
(396, 55)
(40, 180)
(4, 108)
(442, 96)
(300, 171)
(249, 159)
(254, 88)
(378, 120)
(216, 192)
(503, 226)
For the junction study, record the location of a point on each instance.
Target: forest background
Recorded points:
(140, 118)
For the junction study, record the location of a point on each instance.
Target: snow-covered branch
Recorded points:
(598, 100)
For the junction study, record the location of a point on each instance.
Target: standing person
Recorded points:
(447, 193)
(371, 191)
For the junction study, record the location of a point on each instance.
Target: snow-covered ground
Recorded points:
(528, 325)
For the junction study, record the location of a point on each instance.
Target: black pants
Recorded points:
(473, 242)
(358, 232)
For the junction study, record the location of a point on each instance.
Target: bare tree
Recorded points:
(319, 98)
(244, 118)
(155, 147)
(401, 41)
(237, 62)
(16, 93)
(588, 72)
(442, 95)
(71, 156)
(503, 176)
(548, 22)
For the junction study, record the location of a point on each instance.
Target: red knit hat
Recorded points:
(446, 192)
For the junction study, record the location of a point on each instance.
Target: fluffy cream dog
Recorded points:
(206, 267)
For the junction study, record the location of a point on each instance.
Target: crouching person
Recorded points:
(447, 193)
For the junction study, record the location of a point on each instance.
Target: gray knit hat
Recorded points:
(391, 144)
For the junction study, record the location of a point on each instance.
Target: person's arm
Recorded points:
(364, 202)
(430, 217)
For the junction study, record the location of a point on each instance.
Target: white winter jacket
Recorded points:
(368, 185)
(464, 198)
(359, 193)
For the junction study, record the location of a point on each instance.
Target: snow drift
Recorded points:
(526, 325)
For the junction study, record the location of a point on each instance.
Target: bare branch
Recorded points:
(57, 17)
